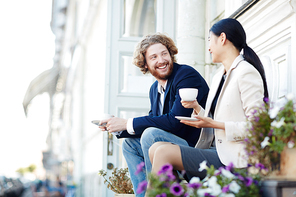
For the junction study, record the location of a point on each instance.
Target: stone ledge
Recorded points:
(278, 188)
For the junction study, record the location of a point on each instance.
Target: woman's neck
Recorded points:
(229, 58)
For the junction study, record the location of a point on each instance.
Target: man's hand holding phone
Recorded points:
(111, 124)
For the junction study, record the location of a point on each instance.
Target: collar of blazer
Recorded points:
(170, 79)
(216, 82)
(235, 63)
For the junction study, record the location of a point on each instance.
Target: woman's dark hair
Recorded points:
(235, 33)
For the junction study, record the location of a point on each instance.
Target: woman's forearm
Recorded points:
(218, 125)
(197, 108)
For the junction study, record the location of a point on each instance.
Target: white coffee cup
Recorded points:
(188, 94)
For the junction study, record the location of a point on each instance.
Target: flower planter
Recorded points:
(287, 165)
(278, 188)
(124, 195)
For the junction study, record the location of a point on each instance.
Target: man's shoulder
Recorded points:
(186, 69)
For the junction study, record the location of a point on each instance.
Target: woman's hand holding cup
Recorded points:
(191, 104)
(188, 98)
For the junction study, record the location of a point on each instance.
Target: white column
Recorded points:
(191, 33)
(293, 4)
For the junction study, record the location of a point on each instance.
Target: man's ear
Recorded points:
(223, 38)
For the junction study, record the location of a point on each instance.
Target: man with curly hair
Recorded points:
(155, 54)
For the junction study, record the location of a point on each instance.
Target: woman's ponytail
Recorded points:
(251, 57)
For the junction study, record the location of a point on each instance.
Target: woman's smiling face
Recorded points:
(214, 47)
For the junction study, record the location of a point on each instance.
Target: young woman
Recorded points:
(236, 90)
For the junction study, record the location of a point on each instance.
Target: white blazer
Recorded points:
(242, 91)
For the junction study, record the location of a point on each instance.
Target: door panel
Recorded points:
(127, 88)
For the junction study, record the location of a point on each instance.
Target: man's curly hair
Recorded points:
(140, 51)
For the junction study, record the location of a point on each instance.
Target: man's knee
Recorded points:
(150, 134)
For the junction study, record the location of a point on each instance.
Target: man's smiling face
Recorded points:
(159, 62)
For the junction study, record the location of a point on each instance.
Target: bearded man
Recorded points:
(155, 54)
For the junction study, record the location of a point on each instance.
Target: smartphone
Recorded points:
(97, 122)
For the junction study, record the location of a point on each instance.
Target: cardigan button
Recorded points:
(219, 140)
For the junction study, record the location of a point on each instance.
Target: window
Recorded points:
(132, 80)
(139, 17)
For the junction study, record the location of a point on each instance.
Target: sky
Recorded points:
(26, 50)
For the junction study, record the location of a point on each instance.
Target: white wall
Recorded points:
(270, 29)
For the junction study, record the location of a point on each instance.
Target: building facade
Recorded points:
(93, 74)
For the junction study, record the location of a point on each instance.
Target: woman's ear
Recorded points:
(223, 38)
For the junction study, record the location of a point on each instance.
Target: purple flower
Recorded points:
(176, 189)
(248, 181)
(225, 189)
(256, 182)
(167, 177)
(171, 176)
(165, 168)
(194, 185)
(270, 132)
(142, 187)
(161, 195)
(229, 167)
(266, 100)
(162, 178)
(259, 165)
(240, 177)
(208, 195)
(257, 119)
(218, 172)
(140, 167)
(166, 185)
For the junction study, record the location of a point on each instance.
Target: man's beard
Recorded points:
(162, 76)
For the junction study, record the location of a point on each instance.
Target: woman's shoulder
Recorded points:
(245, 67)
